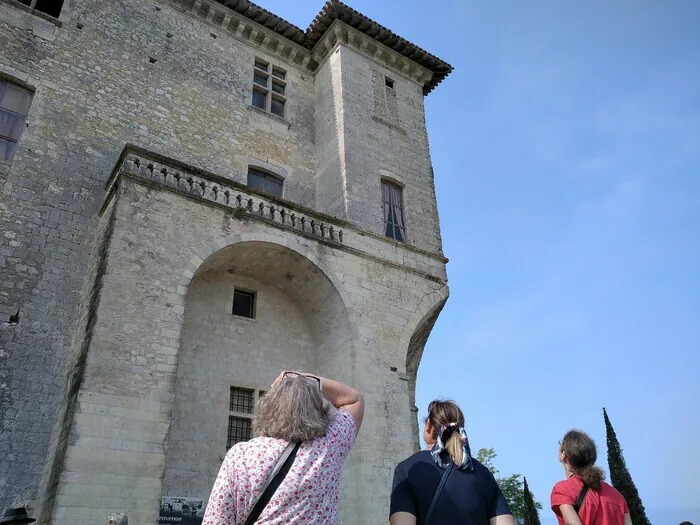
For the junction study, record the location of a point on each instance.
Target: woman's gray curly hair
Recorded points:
(294, 410)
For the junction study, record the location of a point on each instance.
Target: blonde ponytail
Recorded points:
(455, 448)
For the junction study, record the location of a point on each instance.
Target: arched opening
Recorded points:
(291, 316)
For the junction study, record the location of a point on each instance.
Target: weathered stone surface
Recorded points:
(117, 344)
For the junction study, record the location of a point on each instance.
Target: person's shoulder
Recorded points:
(422, 456)
(567, 487)
(611, 493)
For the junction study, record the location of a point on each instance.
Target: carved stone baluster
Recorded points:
(272, 212)
(303, 223)
(331, 231)
(294, 221)
(261, 209)
(250, 205)
(340, 235)
(313, 227)
(282, 215)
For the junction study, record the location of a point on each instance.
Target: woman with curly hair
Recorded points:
(313, 422)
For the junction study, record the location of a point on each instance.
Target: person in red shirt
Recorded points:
(602, 504)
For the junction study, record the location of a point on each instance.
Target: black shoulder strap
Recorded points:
(284, 463)
(581, 497)
(436, 497)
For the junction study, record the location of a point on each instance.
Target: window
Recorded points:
(392, 198)
(243, 304)
(265, 182)
(269, 85)
(388, 83)
(50, 7)
(242, 404)
(14, 106)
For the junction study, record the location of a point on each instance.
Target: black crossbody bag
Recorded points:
(436, 497)
(581, 497)
(279, 472)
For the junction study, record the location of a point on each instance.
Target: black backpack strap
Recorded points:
(436, 497)
(581, 497)
(284, 463)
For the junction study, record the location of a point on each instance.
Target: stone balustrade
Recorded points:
(245, 202)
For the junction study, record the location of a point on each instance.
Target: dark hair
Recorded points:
(581, 455)
(444, 413)
(686, 523)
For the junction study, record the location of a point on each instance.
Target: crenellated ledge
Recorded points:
(243, 201)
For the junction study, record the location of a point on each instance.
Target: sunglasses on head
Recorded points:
(293, 375)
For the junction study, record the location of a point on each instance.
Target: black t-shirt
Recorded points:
(470, 497)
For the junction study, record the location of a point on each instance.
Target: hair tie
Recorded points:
(443, 436)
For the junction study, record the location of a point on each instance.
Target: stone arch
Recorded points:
(414, 341)
(303, 322)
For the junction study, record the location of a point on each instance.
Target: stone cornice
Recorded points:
(306, 49)
(243, 26)
(340, 32)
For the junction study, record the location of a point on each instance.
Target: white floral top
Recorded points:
(309, 492)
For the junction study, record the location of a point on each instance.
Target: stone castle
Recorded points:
(195, 195)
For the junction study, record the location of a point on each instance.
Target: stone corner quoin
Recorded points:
(196, 195)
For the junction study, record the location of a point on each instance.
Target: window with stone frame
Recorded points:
(14, 106)
(49, 7)
(269, 87)
(386, 106)
(244, 303)
(243, 404)
(392, 206)
(266, 182)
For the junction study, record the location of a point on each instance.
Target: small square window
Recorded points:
(279, 72)
(243, 304)
(388, 82)
(239, 430)
(277, 107)
(259, 98)
(261, 64)
(241, 400)
(260, 78)
(278, 87)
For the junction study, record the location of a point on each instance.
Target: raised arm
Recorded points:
(345, 397)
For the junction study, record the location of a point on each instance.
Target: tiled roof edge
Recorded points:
(337, 10)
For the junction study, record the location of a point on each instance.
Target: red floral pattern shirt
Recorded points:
(309, 492)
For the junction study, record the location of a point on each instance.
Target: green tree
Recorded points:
(620, 476)
(511, 486)
(532, 516)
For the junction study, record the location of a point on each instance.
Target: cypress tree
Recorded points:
(620, 476)
(532, 517)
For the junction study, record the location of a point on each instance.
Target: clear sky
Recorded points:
(566, 148)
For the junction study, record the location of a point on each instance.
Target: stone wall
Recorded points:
(96, 89)
(90, 377)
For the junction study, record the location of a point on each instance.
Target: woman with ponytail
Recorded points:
(469, 494)
(583, 498)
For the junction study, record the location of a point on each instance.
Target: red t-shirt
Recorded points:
(605, 506)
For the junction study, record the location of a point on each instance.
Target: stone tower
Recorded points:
(197, 194)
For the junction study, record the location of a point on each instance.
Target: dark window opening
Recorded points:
(239, 430)
(277, 107)
(14, 106)
(259, 99)
(243, 304)
(388, 82)
(392, 199)
(265, 182)
(241, 400)
(49, 7)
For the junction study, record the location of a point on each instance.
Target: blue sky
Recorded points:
(566, 148)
